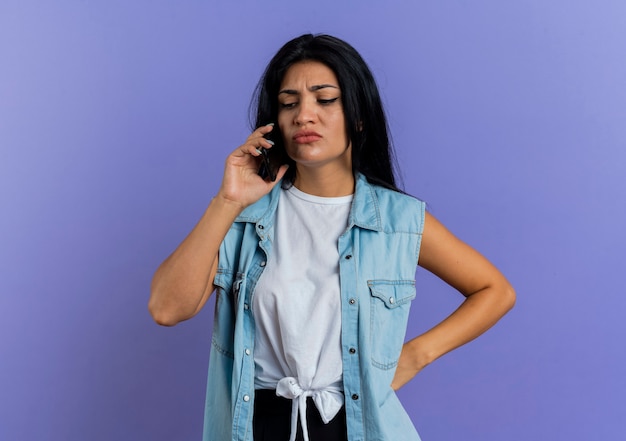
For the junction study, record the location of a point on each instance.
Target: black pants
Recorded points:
(272, 420)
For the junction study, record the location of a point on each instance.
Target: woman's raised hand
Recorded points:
(241, 184)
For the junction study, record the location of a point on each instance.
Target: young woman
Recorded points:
(314, 271)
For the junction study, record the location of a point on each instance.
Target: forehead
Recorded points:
(306, 74)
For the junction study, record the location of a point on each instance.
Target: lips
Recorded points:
(306, 136)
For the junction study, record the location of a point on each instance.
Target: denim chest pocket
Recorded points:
(389, 312)
(223, 337)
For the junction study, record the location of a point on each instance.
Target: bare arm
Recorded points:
(184, 281)
(488, 297)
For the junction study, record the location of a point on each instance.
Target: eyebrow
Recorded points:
(312, 89)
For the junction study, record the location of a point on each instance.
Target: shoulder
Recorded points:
(396, 210)
(403, 211)
(392, 198)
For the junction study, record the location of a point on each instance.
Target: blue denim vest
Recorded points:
(378, 258)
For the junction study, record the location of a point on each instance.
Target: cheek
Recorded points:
(338, 119)
(340, 125)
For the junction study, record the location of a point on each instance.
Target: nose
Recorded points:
(306, 112)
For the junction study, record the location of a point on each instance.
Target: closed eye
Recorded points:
(323, 102)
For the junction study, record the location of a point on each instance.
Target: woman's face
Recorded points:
(311, 117)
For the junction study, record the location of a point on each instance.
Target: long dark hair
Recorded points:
(372, 152)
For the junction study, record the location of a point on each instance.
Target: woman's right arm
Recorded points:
(184, 281)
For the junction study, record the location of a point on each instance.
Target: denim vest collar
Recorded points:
(364, 213)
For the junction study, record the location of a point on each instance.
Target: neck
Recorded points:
(324, 183)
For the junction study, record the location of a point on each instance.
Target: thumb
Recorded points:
(281, 171)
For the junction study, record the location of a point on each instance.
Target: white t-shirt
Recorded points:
(297, 304)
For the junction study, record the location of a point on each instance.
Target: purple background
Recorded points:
(115, 117)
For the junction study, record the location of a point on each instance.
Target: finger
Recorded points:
(279, 175)
(250, 148)
(264, 130)
(281, 172)
(256, 140)
(261, 131)
(260, 142)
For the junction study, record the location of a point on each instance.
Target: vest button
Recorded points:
(352, 351)
(349, 256)
(355, 397)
